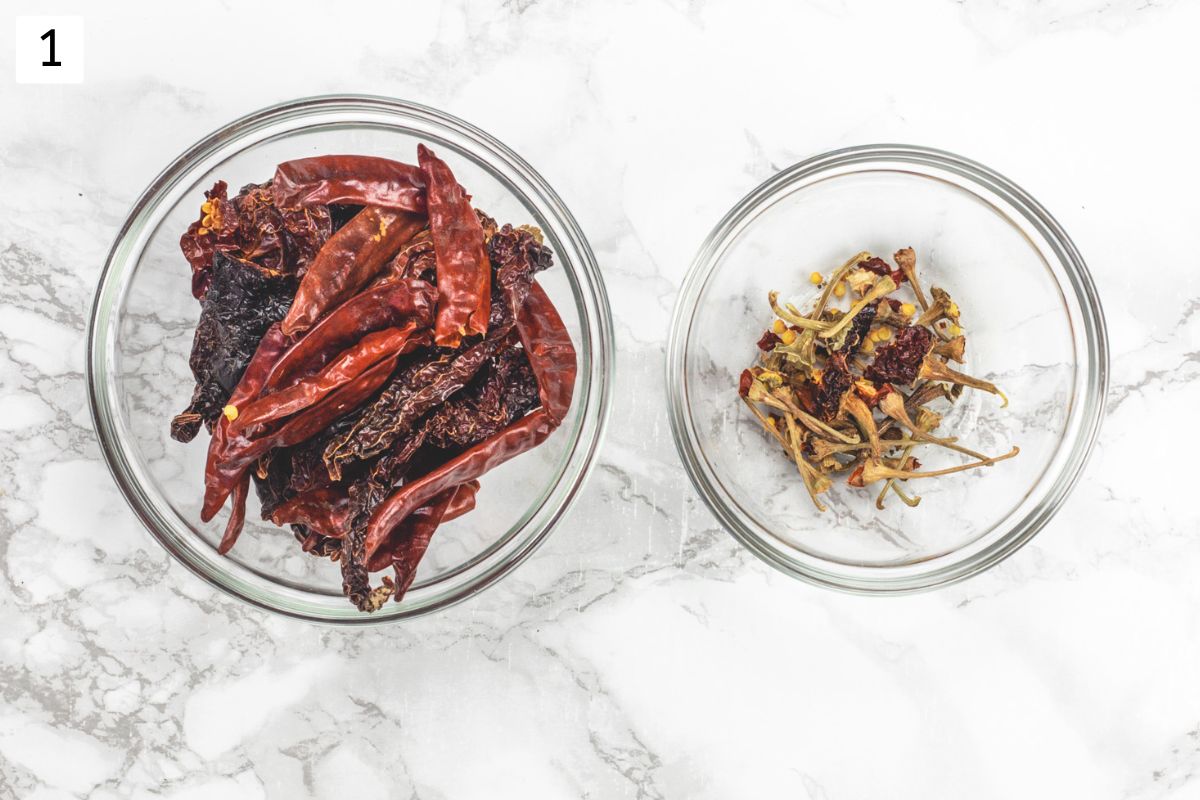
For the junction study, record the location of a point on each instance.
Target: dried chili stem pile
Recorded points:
(849, 391)
(369, 345)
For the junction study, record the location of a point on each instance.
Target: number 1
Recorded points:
(52, 62)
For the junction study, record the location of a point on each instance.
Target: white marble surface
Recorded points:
(641, 652)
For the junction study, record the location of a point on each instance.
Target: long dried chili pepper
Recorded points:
(406, 400)
(356, 180)
(234, 457)
(347, 261)
(416, 533)
(464, 273)
(342, 370)
(237, 516)
(374, 309)
(463, 502)
(552, 357)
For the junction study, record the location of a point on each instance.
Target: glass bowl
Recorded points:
(1033, 324)
(141, 334)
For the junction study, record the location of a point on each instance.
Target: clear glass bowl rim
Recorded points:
(594, 310)
(1089, 412)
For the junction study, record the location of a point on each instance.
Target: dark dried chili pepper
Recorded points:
(508, 391)
(407, 398)
(269, 347)
(348, 261)
(899, 361)
(552, 358)
(351, 363)
(243, 301)
(357, 180)
(380, 307)
(251, 226)
(464, 273)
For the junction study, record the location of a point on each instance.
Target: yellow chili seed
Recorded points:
(202, 231)
(206, 207)
(788, 336)
(868, 346)
(908, 309)
(778, 326)
(883, 334)
(815, 279)
(955, 330)
(230, 412)
(839, 290)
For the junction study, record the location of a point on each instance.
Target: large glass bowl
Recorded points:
(141, 334)
(1034, 326)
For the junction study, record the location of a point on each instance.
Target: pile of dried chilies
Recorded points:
(369, 345)
(849, 391)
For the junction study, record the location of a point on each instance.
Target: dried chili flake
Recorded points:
(899, 361)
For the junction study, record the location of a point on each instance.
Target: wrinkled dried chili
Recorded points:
(355, 180)
(463, 270)
(552, 357)
(354, 361)
(348, 261)
(371, 310)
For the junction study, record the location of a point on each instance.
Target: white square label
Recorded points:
(49, 49)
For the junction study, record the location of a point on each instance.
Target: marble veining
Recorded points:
(641, 653)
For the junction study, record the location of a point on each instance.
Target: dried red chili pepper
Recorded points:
(552, 357)
(269, 348)
(416, 532)
(463, 502)
(234, 457)
(351, 363)
(237, 517)
(768, 340)
(325, 511)
(745, 381)
(380, 307)
(464, 272)
(358, 180)
(900, 360)
(882, 268)
(348, 261)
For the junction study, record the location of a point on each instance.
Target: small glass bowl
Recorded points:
(1033, 323)
(141, 334)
